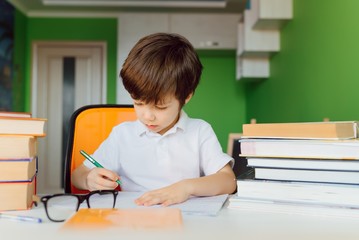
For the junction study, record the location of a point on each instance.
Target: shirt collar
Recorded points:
(180, 125)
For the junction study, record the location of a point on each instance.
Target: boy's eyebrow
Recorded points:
(163, 103)
(167, 103)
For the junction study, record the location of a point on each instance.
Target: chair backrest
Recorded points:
(89, 126)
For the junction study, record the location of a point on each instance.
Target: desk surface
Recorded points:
(229, 224)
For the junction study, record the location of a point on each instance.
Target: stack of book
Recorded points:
(313, 164)
(18, 159)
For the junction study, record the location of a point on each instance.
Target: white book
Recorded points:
(347, 177)
(319, 164)
(317, 149)
(290, 208)
(317, 194)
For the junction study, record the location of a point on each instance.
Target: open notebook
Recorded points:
(128, 215)
(207, 206)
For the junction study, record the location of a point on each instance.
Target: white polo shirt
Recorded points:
(146, 160)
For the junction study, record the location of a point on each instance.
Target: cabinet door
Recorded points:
(207, 31)
(132, 27)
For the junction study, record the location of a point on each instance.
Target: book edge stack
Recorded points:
(20, 186)
(316, 199)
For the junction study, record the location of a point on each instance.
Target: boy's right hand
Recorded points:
(101, 179)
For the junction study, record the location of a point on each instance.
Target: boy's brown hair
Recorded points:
(160, 65)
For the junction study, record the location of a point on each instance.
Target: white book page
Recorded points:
(206, 206)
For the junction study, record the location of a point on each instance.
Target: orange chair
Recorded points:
(89, 126)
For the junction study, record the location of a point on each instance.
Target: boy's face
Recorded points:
(158, 118)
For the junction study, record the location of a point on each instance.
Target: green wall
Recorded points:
(74, 29)
(219, 98)
(315, 75)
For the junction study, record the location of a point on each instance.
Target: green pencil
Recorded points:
(94, 162)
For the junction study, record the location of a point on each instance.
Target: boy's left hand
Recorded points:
(175, 193)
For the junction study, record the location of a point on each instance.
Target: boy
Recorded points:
(165, 154)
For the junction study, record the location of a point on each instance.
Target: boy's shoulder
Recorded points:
(197, 123)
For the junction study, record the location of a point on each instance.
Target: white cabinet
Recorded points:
(204, 31)
(255, 41)
(272, 14)
(207, 31)
(252, 67)
(259, 36)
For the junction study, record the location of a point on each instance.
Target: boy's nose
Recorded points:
(149, 116)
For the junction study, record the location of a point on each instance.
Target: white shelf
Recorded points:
(252, 67)
(256, 43)
(271, 14)
(259, 36)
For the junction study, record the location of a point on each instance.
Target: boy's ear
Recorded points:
(188, 98)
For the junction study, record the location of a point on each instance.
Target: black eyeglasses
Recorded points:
(59, 207)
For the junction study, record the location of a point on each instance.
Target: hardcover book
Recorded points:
(17, 146)
(320, 176)
(304, 163)
(335, 195)
(15, 114)
(23, 126)
(284, 148)
(17, 195)
(303, 130)
(17, 169)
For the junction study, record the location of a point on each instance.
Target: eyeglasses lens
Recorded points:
(60, 208)
(102, 200)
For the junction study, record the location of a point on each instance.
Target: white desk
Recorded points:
(229, 224)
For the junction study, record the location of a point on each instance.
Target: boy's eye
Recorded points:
(161, 107)
(138, 103)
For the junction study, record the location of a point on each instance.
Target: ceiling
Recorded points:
(112, 7)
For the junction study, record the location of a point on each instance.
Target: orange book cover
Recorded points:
(133, 218)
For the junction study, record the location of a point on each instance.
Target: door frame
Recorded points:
(58, 47)
(54, 44)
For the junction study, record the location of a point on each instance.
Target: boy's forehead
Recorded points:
(167, 99)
